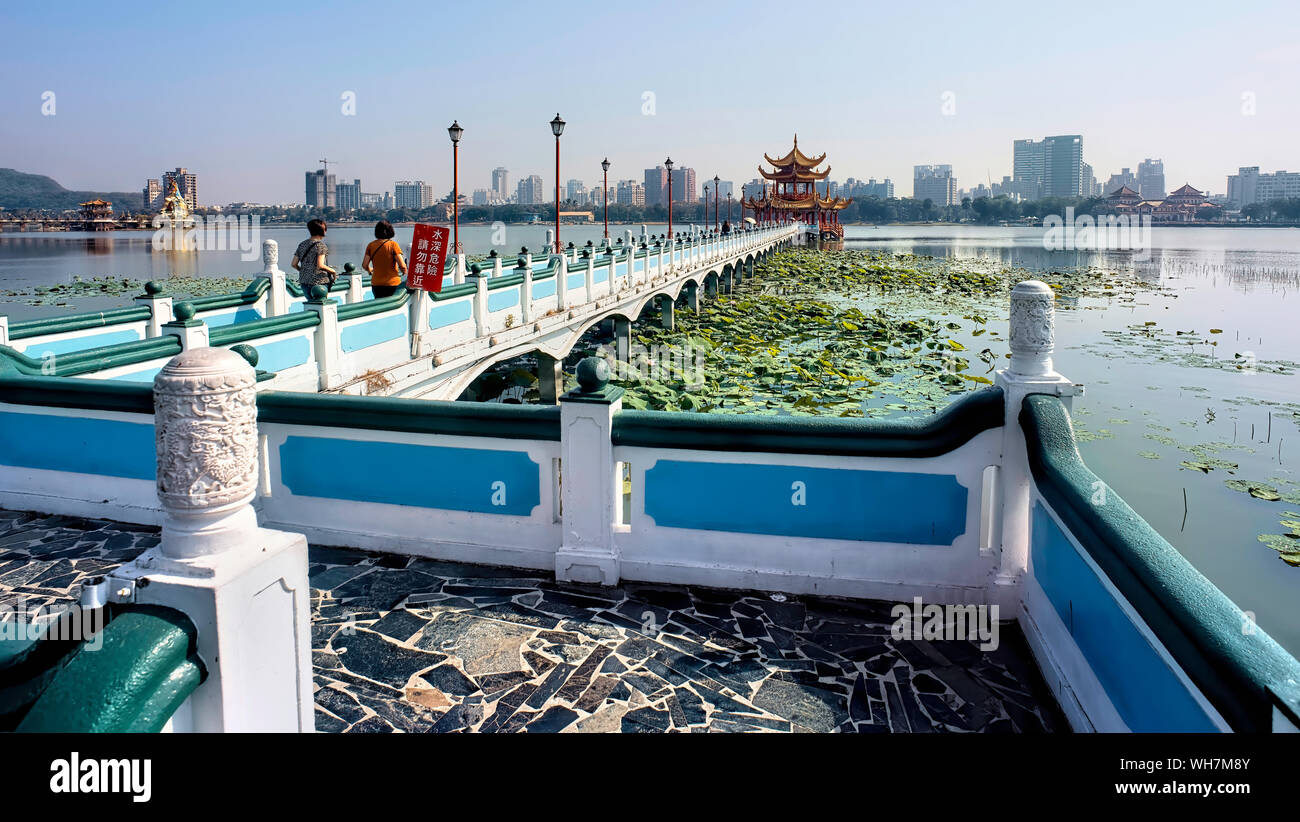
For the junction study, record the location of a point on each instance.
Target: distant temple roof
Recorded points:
(1187, 189)
(796, 174)
(795, 157)
(96, 202)
(1124, 191)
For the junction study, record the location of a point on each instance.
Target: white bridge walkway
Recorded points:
(500, 313)
(413, 344)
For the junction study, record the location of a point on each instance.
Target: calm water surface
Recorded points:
(1150, 395)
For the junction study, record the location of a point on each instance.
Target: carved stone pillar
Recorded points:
(1029, 372)
(1033, 329)
(205, 415)
(245, 588)
(277, 297)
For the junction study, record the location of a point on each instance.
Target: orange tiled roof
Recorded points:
(795, 157)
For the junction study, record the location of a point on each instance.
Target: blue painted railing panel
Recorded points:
(1144, 690)
(425, 476)
(445, 314)
(69, 344)
(357, 336)
(242, 315)
(87, 445)
(795, 501)
(283, 354)
(501, 300)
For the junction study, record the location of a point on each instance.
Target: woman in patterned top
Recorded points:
(309, 259)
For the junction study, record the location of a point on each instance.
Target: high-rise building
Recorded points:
(372, 200)
(1063, 166)
(501, 183)
(1280, 185)
(530, 190)
(684, 186)
(1248, 186)
(186, 183)
(1151, 179)
(883, 189)
(725, 187)
(322, 192)
(1117, 181)
(656, 185)
(152, 194)
(348, 195)
(629, 192)
(574, 190)
(1089, 187)
(1051, 167)
(412, 194)
(934, 183)
(1027, 162)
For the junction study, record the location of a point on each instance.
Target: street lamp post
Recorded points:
(704, 212)
(557, 128)
(454, 131)
(729, 209)
(604, 166)
(715, 203)
(669, 165)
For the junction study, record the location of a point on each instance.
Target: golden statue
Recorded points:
(174, 206)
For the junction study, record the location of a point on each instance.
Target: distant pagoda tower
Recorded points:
(793, 195)
(97, 215)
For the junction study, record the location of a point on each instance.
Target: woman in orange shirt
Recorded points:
(383, 259)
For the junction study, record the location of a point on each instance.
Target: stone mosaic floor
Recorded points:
(416, 645)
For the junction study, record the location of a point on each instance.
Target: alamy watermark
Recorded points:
(946, 622)
(215, 232)
(659, 363)
(1109, 232)
(64, 621)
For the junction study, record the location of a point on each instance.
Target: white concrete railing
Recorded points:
(949, 511)
(344, 344)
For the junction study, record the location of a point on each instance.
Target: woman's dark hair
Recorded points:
(384, 230)
(316, 228)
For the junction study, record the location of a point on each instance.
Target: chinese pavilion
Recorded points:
(793, 195)
(97, 215)
(1181, 206)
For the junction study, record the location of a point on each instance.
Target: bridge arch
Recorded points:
(450, 379)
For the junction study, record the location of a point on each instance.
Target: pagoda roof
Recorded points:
(809, 203)
(1186, 189)
(795, 157)
(96, 202)
(1124, 191)
(796, 174)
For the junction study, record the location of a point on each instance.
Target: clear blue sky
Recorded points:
(249, 97)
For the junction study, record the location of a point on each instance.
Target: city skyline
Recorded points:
(212, 111)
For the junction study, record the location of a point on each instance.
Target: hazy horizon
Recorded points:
(249, 98)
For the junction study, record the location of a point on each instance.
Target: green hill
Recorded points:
(20, 191)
